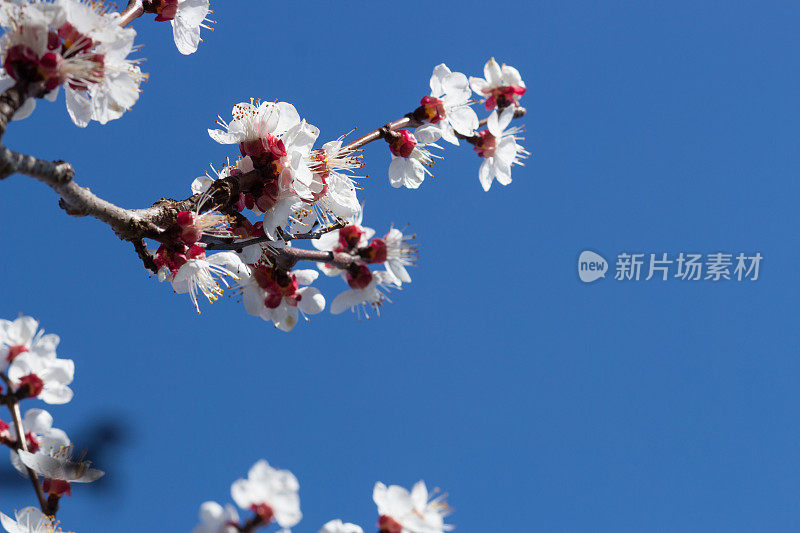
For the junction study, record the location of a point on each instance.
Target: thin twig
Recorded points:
(217, 243)
(133, 10)
(380, 133)
(13, 406)
(289, 256)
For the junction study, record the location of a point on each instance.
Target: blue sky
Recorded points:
(539, 403)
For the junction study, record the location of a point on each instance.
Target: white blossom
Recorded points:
(372, 295)
(413, 511)
(272, 492)
(23, 336)
(452, 90)
(46, 378)
(333, 166)
(29, 520)
(499, 148)
(57, 463)
(189, 18)
(251, 122)
(37, 424)
(399, 255)
(203, 274)
(337, 526)
(502, 86)
(89, 56)
(409, 167)
(217, 519)
(276, 295)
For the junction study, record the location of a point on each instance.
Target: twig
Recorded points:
(380, 133)
(289, 256)
(133, 10)
(217, 243)
(13, 406)
(145, 256)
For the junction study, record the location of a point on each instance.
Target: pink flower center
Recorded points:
(501, 97)
(30, 386)
(431, 110)
(165, 10)
(387, 524)
(350, 236)
(15, 350)
(402, 144)
(264, 512)
(56, 487)
(374, 253)
(358, 276)
(23, 63)
(187, 224)
(278, 284)
(174, 258)
(33, 442)
(486, 144)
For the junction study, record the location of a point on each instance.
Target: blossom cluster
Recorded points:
(272, 495)
(298, 191)
(82, 46)
(30, 369)
(295, 190)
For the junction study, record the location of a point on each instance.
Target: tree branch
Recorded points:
(134, 225)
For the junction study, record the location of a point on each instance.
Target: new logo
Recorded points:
(591, 266)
